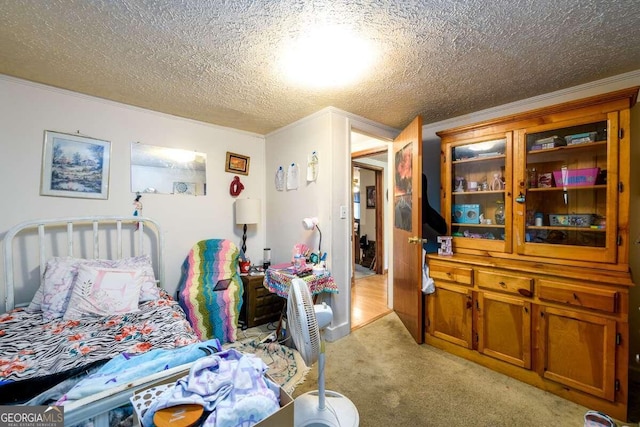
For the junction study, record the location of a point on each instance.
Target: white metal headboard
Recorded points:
(93, 224)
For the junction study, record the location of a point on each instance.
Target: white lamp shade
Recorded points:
(248, 211)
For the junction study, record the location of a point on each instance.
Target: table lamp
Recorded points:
(247, 212)
(310, 224)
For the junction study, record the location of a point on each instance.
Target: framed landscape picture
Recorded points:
(237, 163)
(75, 166)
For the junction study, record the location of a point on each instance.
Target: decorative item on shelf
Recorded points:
(499, 214)
(570, 220)
(580, 138)
(497, 183)
(310, 224)
(565, 181)
(445, 245)
(460, 184)
(472, 186)
(485, 184)
(247, 212)
(576, 177)
(545, 180)
(466, 213)
(532, 178)
(547, 143)
(538, 219)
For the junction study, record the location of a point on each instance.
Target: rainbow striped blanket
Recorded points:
(212, 313)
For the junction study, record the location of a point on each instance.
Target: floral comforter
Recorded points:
(31, 347)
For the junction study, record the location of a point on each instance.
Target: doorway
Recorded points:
(370, 288)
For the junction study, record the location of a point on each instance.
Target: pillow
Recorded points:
(36, 302)
(104, 291)
(60, 273)
(149, 290)
(58, 280)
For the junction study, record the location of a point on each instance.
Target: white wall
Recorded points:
(326, 132)
(28, 109)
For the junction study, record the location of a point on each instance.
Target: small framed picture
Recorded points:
(75, 166)
(371, 196)
(237, 163)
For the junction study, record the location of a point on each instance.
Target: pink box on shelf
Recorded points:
(577, 177)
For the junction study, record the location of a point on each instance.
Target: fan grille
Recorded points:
(303, 325)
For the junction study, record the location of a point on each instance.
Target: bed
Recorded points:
(79, 292)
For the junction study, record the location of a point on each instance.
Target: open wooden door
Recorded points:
(407, 229)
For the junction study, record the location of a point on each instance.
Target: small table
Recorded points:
(279, 282)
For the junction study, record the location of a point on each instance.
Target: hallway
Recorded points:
(368, 300)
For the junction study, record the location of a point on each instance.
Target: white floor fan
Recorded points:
(305, 321)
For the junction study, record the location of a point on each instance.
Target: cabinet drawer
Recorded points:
(261, 291)
(579, 296)
(505, 283)
(451, 272)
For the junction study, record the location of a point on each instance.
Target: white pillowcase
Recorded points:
(53, 295)
(104, 291)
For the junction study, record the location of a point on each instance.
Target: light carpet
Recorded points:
(395, 382)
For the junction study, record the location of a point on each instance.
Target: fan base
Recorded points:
(339, 411)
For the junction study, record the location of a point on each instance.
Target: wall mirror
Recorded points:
(164, 170)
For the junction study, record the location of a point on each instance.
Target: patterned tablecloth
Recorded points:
(279, 281)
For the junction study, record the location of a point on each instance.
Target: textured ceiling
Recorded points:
(217, 61)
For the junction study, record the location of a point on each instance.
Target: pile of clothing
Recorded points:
(230, 389)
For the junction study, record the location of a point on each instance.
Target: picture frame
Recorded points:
(371, 196)
(75, 165)
(237, 163)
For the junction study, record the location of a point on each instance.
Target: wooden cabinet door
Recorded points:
(578, 350)
(450, 314)
(476, 200)
(577, 216)
(504, 328)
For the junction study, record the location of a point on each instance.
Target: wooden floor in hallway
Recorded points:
(368, 300)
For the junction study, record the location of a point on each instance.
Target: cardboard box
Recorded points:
(282, 418)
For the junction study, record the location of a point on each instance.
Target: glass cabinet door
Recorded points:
(564, 201)
(477, 193)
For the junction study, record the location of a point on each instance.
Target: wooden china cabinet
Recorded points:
(538, 285)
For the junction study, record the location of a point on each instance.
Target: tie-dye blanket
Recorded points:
(212, 313)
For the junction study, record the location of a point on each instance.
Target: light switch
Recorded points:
(343, 212)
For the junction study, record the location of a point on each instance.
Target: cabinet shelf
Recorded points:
(479, 159)
(580, 229)
(461, 224)
(581, 188)
(474, 193)
(588, 145)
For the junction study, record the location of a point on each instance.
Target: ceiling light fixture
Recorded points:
(327, 56)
